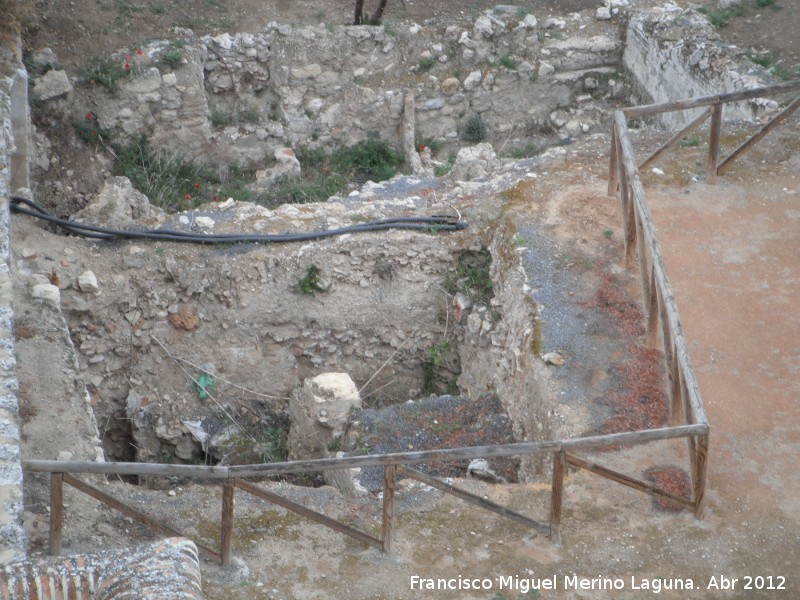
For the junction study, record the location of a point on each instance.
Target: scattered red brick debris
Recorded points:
(672, 480)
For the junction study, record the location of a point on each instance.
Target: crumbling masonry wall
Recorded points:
(12, 539)
(672, 54)
(235, 98)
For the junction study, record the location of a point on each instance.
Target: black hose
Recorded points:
(433, 223)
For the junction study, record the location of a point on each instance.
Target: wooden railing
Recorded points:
(394, 465)
(640, 241)
(714, 108)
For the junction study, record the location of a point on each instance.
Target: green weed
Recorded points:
(220, 119)
(475, 129)
(525, 151)
(171, 57)
(310, 285)
(472, 277)
(104, 71)
(508, 62)
(426, 64)
(691, 142)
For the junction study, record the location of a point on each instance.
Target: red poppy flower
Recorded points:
(128, 57)
(139, 51)
(188, 197)
(127, 67)
(89, 116)
(421, 148)
(215, 198)
(197, 186)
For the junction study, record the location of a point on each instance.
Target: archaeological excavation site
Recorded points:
(460, 301)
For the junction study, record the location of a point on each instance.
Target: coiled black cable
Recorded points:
(433, 223)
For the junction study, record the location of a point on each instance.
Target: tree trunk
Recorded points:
(376, 18)
(359, 10)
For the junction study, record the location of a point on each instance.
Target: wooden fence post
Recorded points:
(700, 475)
(613, 173)
(713, 145)
(226, 529)
(56, 512)
(556, 498)
(389, 473)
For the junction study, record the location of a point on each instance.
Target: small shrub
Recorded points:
(389, 29)
(309, 284)
(171, 57)
(442, 170)
(220, 119)
(324, 175)
(508, 62)
(166, 179)
(434, 144)
(371, 159)
(106, 72)
(472, 277)
(426, 64)
(249, 116)
(475, 129)
(89, 130)
(766, 3)
(525, 151)
(691, 142)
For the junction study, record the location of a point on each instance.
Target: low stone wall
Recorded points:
(672, 54)
(12, 538)
(232, 99)
(168, 569)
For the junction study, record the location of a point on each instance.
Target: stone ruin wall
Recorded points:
(672, 54)
(13, 114)
(322, 85)
(382, 308)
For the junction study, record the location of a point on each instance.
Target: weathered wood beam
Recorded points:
(56, 513)
(777, 120)
(675, 139)
(557, 496)
(388, 506)
(226, 525)
(628, 481)
(133, 513)
(700, 476)
(662, 280)
(713, 144)
(309, 514)
(473, 499)
(613, 174)
(652, 109)
(374, 460)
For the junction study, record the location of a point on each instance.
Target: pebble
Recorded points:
(553, 358)
(87, 282)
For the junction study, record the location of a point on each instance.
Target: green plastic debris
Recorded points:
(203, 385)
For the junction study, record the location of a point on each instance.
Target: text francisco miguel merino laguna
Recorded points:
(564, 582)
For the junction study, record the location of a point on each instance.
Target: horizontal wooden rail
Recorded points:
(653, 109)
(653, 250)
(374, 460)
